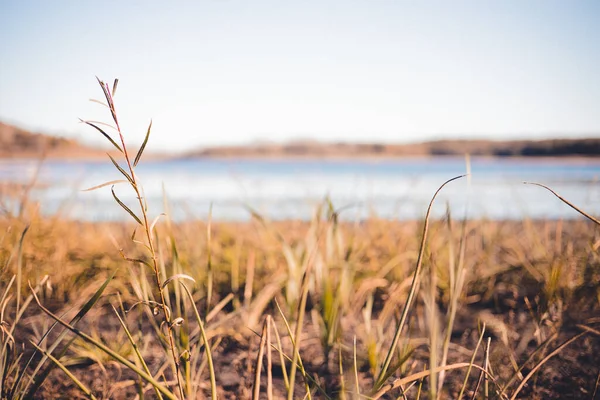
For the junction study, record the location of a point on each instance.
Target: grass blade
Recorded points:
(209, 278)
(411, 294)
(296, 360)
(60, 365)
(121, 170)
(177, 276)
(106, 135)
(472, 362)
(258, 367)
(542, 362)
(109, 99)
(125, 207)
(269, 361)
(99, 102)
(115, 83)
(567, 202)
(104, 184)
(211, 367)
(355, 368)
(279, 348)
(108, 351)
(41, 377)
(420, 375)
(141, 150)
(154, 222)
(20, 267)
(283, 356)
(136, 350)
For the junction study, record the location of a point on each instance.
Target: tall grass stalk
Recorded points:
(468, 373)
(567, 202)
(457, 272)
(144, 222)
(259, 360)
(411, 294)
(211, 366)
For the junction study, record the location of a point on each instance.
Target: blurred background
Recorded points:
(312, 76)
(231, 72)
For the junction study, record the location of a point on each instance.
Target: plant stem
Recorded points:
(151, 248)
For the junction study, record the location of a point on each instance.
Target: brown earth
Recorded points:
(20, 143)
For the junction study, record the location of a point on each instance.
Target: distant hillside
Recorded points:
(17, 143)
(514, 148)
(523, 148)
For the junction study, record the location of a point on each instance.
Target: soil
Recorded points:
(571, 374)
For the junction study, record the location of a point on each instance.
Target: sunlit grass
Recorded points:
(291, 309)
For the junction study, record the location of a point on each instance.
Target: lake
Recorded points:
(283, 189)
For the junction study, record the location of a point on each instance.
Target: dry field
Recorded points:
(502, 297)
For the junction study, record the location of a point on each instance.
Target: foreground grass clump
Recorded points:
(533, 284)
(316, 309)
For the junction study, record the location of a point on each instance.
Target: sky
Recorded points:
(224, 72)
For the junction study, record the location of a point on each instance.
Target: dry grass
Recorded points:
(530, 282)
(297, 309)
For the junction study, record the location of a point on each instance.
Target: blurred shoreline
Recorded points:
(17, 143)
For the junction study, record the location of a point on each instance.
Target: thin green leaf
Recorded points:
(211, 367)
(141, 150)
(104, 184)
(136, 260)
(136, 349)
(299, 364)
(41, 377)
(125, 207)
(121, 170)
(295, 359)
(60, 365)
(93, 300)
(177, 276)
(471, 363)
(106, 135)
(141, 373)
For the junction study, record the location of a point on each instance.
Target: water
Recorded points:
(282, 189)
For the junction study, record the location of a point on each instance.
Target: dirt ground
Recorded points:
(528, 310)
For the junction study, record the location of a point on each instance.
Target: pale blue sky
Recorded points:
(232, 71)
